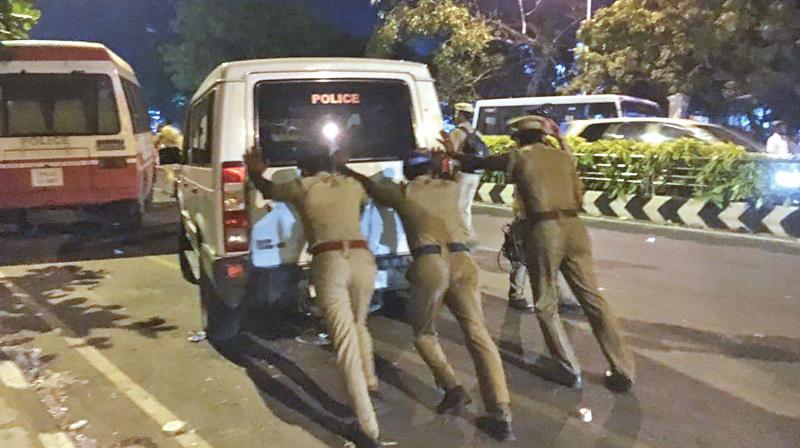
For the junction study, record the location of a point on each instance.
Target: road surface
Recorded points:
(94, 351)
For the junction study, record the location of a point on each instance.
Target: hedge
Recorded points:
(722, 172)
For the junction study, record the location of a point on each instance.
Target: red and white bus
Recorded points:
(74, 132)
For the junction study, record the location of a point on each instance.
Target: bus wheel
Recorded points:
(220, 321)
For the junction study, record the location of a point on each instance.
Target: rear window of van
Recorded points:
(373, 118)
(57, 105)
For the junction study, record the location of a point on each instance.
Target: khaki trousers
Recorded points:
(345, 282)
(452, 280)
(563, 245)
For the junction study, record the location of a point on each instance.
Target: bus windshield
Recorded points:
(371, 117)
(640, 109)
(57, 105)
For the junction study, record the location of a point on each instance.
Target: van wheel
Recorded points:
(188, 258)
(220, 321)
(127, 215)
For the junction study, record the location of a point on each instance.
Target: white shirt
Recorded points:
(780, 146)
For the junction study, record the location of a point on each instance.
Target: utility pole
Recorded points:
(588, 9)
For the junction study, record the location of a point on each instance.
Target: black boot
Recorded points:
(521, 305)
(617, 382)
(361, 440)
(499, 430)
(454, 400)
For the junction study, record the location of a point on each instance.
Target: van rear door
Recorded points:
(372, 117)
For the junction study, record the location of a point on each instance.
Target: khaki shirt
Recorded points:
(546, 179)
(329, 205)
(169, 136)
(427, 206)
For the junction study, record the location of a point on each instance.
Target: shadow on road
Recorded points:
(53, 297)
(81, 241)
(669, 337)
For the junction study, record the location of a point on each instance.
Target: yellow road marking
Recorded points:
(12, 376)
(56, 440)
(137, 394)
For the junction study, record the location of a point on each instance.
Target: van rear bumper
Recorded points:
(238, 281)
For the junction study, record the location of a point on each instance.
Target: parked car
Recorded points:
(659, 130)
(233, 242)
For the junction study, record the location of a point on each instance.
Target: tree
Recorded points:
(210, 32)
(446, 35)
(17, 17)
(516, 47)
(728, 55)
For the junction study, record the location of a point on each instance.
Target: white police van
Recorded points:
(235, 244)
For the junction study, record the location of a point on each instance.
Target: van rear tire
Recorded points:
(189, 272)
(221, 322)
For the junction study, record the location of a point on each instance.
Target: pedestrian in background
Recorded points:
(780, 143)
(342, 268)
(556, 240)
(169, 136)
(467, 140)
(443, 273)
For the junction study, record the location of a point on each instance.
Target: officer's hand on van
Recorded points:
(254, 161)
(447, 143)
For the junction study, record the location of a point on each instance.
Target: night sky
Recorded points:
(135, 28)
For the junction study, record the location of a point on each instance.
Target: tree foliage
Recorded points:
(446, 35)
(210, 32)
(726, 54)
(17, 17)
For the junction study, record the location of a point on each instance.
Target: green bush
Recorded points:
(722, 173)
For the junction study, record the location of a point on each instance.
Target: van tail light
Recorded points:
(235, 219)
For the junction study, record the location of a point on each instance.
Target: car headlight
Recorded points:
(788, 179)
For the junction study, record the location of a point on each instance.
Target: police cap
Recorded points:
(527, 123)
(464, 107)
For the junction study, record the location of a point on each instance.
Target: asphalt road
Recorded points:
(94, 353)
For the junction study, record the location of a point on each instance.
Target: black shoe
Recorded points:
(499, 430)
(521, 305)
(617, 382)
(454, 400)
(570, 308)
(577, 384)
(361, 440)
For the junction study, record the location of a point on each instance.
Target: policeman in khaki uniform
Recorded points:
(443, 273)
(342, 268)
(556, 240)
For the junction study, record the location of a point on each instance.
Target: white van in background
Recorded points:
(491, 116)
(382, 109)
(74, 132)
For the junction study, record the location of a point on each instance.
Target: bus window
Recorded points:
(138, 110)
(640, 109)
(57, 105)
(602, 110)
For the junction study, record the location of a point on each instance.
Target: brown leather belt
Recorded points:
(330, 246)
(434, 249)
(552, 215)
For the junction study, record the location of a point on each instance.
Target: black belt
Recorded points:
(536, 218)
(434, 249)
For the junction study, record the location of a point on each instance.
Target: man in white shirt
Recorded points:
(468, 181)
(780, 144)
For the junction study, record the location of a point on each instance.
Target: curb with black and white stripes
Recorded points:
(778, 220)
